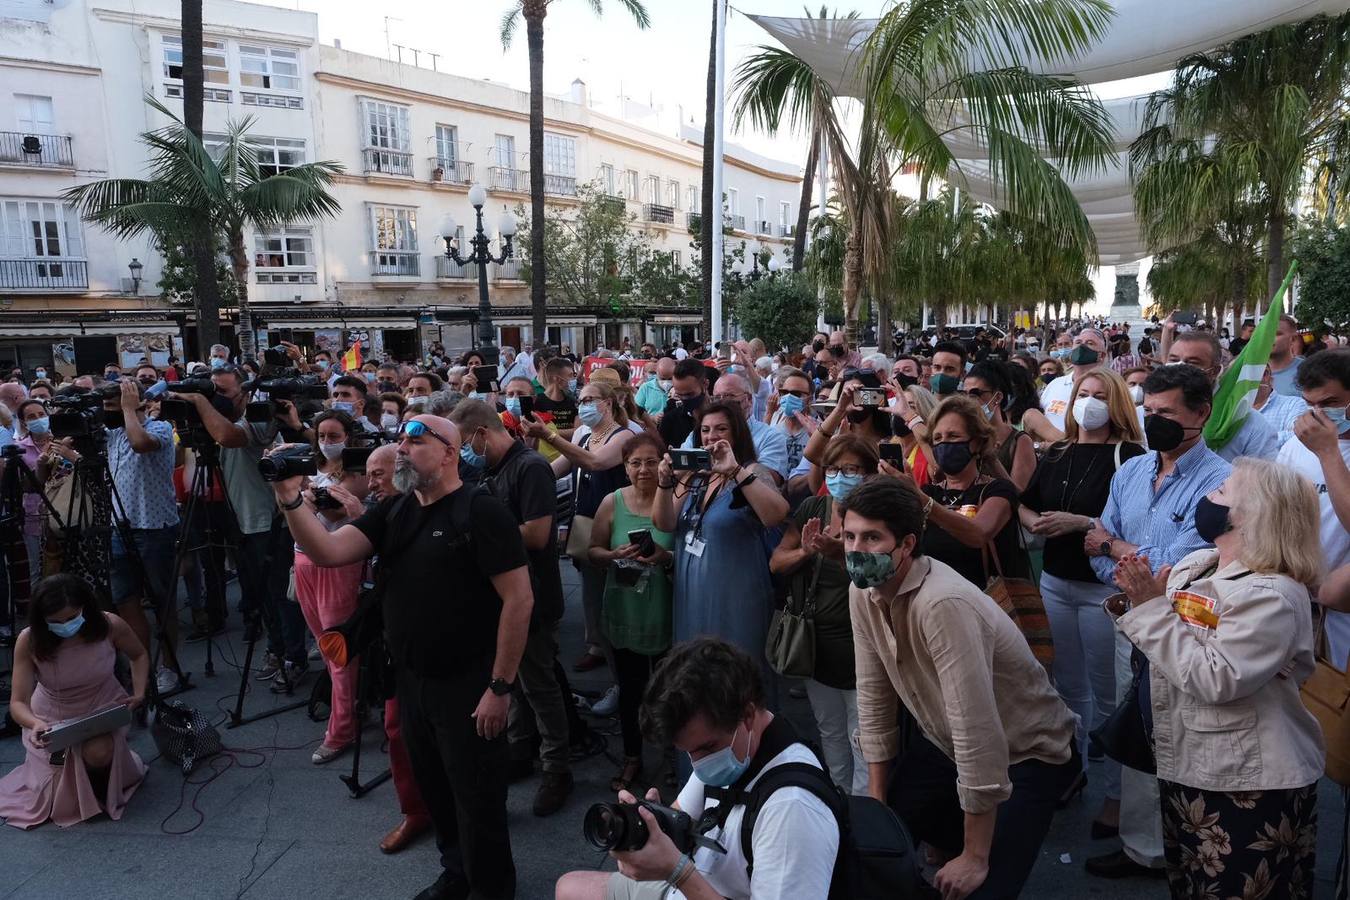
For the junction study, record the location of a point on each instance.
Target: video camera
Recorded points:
(288, 463)
(292, 388)
(80, 415)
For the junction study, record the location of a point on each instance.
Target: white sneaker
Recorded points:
(166, 680)
(607, 705)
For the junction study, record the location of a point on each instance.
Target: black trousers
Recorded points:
(922, 791)
(633, 669)
(461, 775)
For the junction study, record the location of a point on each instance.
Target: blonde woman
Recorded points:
(1062, 501)
(1228, 638)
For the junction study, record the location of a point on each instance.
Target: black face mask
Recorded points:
(1211, 519)
(1046, 379)
(1083, 355)
(858, 416)
(114, 418)
(905, 380)
(1164, 434)
(901, 429)
(952, 458)
(817, 346)
(837, 350)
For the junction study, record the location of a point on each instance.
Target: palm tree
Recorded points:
(199, 245)
(187, 187)
(1262, 107)
(710, 207)
(533, 12)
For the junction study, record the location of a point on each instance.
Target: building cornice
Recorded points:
(14, 62)
(210, 29)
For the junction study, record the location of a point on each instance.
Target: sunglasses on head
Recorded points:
(415, 429)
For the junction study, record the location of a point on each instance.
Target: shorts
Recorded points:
(621, 887)
(148, 573)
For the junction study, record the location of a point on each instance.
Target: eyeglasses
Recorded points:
(977, 393)
(799, 394)
(729, 398)
(415, 429)
(847, 469)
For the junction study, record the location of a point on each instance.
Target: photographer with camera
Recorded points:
(456, 601)
(707, 697)
(140, 458)
(264, 555)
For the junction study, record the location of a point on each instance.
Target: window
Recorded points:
(733, 201)
(761, 211)
(269, 68)
(217, 70)
(274, 252)
(386, 125)
(695, 200)
(675, 260)
(447, 145)
(673, 194)
(630, 184)
(651, 190)
(34, 114)
(785, 214)
(393, 228)
(560, 155)
(607, 178)
(39, 229)
(276, 155)
(506, 151)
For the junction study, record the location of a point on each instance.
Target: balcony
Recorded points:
(662, 215)
(41, 151)
(764, 226)
(509, 270)
(448, 268)
(560, 186)
(787, 231)
(395, 262)
(694, 221)
(614, 203)
(735, 223)
(387, 162)
(451, 171)
(44, 274)
(501, 178)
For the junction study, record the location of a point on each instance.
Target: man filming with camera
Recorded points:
(707, 696)
(456, 601)
(140, 458)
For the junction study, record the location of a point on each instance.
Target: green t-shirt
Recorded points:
(252, 498)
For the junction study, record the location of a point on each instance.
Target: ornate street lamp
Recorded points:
(136, 268)
(481, 255)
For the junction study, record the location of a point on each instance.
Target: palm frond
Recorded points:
(636, 9)
(506, 29)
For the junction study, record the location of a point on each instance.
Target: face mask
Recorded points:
(512, 405)
(370, 377)
(1211, 520)
(330, 451)
(868, 569)
(858, 416)
(836, 350)
(722, 768)
(905, 381)
(477, 395)
(943, 384)
(840, 485)
(572, 386)
(1061, 352)
(1336, 415)
(952, 458)
(1137, 394)
(67, 629)
(472, 457)
(590, 414)
(321, 363)
(1083, 355)
(988, 410)
(388, 421)
(1047, 378)
(817, 346)
(417, 402)
(791, 404)
(343, 406)
(665, 384)
(114, 418)
(40, 374)
(900, 429)
(1090, 413)
(217, 362)
(40, 426)
(112, 376)
(1164, 434)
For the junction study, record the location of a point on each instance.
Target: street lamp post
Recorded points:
(773, 265)
(136, 268)
(481, 255)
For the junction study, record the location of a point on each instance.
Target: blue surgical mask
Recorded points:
(217, 362)
(791, 404)
(40, 374)
(512, 405)
(369, 376)
(471, 456)
(478, 395)
(344, 406)
(722, 768)
(840, 485)
(572, 386)
(321, 363)
(1338, 418)
(67, 629)
(590, 414)
(1061, 352)
(40, 426)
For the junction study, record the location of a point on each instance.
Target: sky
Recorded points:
(664, 65)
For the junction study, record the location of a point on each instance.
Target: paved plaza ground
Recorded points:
(286, 828)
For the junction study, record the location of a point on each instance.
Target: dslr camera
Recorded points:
(618, 827)
(288, 464)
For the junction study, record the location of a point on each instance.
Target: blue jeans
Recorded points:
(148, 572)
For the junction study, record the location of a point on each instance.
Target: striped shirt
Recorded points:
(1162, 522)
(1280, 411)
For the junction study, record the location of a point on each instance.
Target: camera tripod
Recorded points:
(369, 658)
(215, 540)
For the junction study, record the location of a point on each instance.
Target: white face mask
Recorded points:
(388, 421)
(1090, 413)
(331, 451)
(1137, 394)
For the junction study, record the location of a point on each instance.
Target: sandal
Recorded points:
(632, 771)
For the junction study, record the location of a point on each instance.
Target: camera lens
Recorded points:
(606, 826)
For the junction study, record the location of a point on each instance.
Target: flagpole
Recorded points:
(717, 174)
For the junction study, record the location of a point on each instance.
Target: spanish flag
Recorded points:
(351, 360)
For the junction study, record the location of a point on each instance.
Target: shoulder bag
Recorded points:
(1326, 694)
(791, 645)
(1124, 736)
(579, 534)
(1021, 599)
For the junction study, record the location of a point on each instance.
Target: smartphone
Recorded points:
(354, 458)
(642, 539)
(276, 356)
(693, 460)
(325, 500)
(724, 351)
(486, 376)
(1185, 318)
(893, 454)
(526, 407)
(870, 396)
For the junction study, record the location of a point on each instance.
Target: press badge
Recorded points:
(693, 545)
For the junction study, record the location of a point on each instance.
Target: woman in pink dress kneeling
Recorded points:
(63, 669)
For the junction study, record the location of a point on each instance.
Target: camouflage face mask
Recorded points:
(869, 570)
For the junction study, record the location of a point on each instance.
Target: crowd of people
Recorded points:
(709, 498)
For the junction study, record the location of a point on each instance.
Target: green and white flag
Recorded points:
(1237, 388)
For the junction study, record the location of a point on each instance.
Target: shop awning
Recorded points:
(676, 319)
(68, 330)
(553, 321)
(407, 324)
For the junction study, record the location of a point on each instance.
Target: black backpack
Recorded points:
(876, 854)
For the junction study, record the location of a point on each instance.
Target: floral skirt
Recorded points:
(1243, 845)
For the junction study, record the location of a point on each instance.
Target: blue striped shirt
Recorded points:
(1281, 411)
(1161, 523)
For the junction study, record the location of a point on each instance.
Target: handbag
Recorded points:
(1326, 694)
(183, 735)
(579, 538)
(1021, 599)
(791, 644)
(1124, 736)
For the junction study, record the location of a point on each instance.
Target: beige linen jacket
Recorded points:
(1227, 652)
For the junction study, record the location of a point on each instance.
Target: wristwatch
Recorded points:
(1106, 548)
(500, 686)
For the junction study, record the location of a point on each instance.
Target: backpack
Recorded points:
(876, 858)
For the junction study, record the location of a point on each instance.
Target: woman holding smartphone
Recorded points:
(636, 557)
